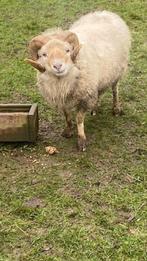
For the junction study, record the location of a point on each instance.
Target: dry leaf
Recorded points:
(51, 150)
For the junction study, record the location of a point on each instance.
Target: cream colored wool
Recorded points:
(101, 62)
(76, 66)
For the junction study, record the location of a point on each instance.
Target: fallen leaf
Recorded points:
(51, 150)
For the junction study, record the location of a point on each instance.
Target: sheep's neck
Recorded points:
(56, 90)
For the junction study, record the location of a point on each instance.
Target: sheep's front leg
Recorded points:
(96, 108)
(81, 134)
(117, 110)
(67, 133)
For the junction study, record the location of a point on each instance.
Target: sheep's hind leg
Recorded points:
(117, 110)
(81, 134)
(67, 132)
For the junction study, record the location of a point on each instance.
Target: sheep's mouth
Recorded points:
(60, 73)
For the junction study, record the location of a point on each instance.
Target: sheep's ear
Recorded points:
(35, 44)
(73, 40)
(36, 65)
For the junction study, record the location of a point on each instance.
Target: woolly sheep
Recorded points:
(76, 66)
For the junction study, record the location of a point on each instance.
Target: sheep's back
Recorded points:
(105, 40)
(101, 26)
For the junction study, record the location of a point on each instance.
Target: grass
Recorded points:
(73, 206)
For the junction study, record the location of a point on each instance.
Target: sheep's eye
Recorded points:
(44, 54)
(67, 50)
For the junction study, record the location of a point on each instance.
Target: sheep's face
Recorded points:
(55, 57)
(55, 53)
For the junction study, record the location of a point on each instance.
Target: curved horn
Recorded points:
(36, 65)
(35, 44)
(73, 40)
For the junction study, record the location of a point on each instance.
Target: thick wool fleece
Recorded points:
(100, 63)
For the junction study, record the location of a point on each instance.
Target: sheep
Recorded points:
(76, 66)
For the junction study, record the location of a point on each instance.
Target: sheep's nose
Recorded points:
(57, 66)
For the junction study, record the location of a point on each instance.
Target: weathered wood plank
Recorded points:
(18, 122)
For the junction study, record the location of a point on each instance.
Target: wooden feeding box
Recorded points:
(18, 122)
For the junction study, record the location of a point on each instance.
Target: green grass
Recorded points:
(73, 206)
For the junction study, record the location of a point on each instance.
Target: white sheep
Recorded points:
(76, 66)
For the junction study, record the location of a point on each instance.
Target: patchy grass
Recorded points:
(73, 206)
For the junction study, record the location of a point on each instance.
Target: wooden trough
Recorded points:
(18, 122)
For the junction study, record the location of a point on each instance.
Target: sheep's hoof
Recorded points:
(93, 113)
(117, 111)
(67, 133)
(81, 144)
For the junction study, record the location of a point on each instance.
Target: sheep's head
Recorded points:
(55, 54)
